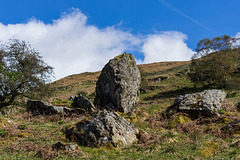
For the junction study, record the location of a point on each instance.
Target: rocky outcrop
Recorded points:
(83, 103)
(106, 128)
(118, 86)
(37, 107)
(206, 103)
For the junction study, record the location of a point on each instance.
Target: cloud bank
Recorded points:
(166, 46)
(72, 46)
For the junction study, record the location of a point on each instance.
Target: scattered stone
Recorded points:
(178, 74)
(232, 127)
(119, 84)
(206, 103)
(37, 107)
(107, 128)
(83, 103)
(143, 136)
(155, 87)
(71, 98)
(60, 146)
(24, 135)
(70, 147)
(159, 79)
(183, 73)
(238, 106)
(236, 143)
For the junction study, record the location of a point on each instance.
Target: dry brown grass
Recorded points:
(156, 67)
(35, 135)
(77, 78)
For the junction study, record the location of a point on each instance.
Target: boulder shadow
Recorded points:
(175, 93)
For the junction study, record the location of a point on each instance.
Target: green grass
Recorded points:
(24, 137)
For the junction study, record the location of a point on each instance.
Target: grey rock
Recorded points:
(232, 127)
(71, 98)
(37, 107)
(70, 147)
(238, 106)
(119, 84)
(159, 79)
(83, 103)
(106, 128)
(65, 147)
(58, 146)
(206, 103)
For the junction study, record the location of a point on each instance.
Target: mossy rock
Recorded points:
(209, 149)
(119, 57)
(4, 122)
(130, 117)
(178, 120)
(24, 134)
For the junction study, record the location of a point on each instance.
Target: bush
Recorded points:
(216, 62)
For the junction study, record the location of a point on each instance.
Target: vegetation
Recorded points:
(23, 136)
(23, 73)
(217, 62)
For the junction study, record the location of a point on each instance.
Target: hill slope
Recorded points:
(26, 137)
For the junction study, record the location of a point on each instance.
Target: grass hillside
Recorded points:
(25, 137)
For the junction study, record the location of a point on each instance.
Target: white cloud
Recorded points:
(72, 46)
(166, 46)
(69, 44)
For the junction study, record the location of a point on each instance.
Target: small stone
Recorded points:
(83, 103)
(232, 127)
(58, 146)
(70, 147)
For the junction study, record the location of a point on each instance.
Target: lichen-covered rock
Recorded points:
(107, 128)
(118, 86)
(206, 103)
(37, 107)
(82, 102)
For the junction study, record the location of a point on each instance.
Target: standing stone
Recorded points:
(118, 86)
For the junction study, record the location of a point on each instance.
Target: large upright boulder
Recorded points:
(205, 103)
(118, 86)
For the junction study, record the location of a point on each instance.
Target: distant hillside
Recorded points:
(86, 82)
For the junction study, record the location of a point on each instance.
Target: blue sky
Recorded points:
(152, 30)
